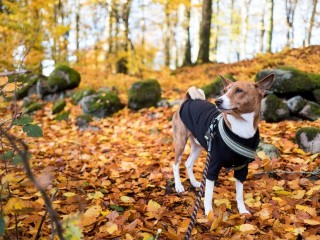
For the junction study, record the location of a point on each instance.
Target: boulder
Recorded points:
(144, 94)
(316, 95)
(295, 104)
(310, 111)
(58, 106)
(61, 79)
(290, 81)
(274, 109)
(214, 89)
(78, 95)
(62, 116)
(32, 107)
(83, 121)
(27, 84)
(308, 139)
(101, 104)
(269, 149)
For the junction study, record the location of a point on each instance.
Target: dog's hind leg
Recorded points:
(180, 135)
(208, 194)
(239, 196)
(195, 152)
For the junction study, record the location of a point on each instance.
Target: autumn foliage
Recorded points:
(114, 179)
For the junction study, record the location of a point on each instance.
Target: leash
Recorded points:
(240, 149)
(209, 137)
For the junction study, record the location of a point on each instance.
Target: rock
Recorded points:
(295, 104)
(274, 109)
(101, 104)
(32, 107)
(78, 95)
(58, 106)
(316, 94)
(61, 79)
(62, 116)
(144, 94)
(214, 89)
(310, 111)
(308, 139)
(291, 82)
(27, 84)
(269, 149)
(83, 121)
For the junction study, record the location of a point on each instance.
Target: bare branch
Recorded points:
(287, 172)
(3, 74)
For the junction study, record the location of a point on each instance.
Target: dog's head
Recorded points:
(243, 97)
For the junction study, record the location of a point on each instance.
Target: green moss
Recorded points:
(85, 117)
(34, 106)
(144, 94)
(58, 106)
(78, 95)
(316, 94)
(215, 88)
(63, 77)
(311, 132)
(273, 104)
(62, 116)
(314, 108)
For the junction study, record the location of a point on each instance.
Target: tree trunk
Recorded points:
(290, 11)
(77, 28)
(270, 30)
(187, 54)
(262, 28)
(167, 36)
(217, 31)
(205, 28)
(244, 6)
(311, 22)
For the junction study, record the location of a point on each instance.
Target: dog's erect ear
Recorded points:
(225, 81)
(265, 83)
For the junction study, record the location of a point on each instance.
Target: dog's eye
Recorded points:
(239, 90)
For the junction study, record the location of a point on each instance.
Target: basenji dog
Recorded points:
(240, 107)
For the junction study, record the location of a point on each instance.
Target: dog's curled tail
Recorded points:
(196, 93)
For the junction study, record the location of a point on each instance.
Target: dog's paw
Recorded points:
(196, 184)
(207, 210)
(179, 188)
(244, 211)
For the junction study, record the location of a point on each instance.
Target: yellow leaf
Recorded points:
(299, 194)
(225, 201)
(109, 227)
(153, 206)
(147, 236)
(311, 222)
(96, 195)
(90, 216)
(247, 228)
(310, 210)
(127, 199)
(264, 214)
(3, 80)
(69, 194)
(9, 87)
(313, 189)
(211, 215)
(16, 205)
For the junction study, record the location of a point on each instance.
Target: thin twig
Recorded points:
(44, 216)
(23, 152)
(287, 172)
(3, 74)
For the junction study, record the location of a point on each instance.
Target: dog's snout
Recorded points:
(219, 101)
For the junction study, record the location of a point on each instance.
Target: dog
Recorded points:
(240, 107)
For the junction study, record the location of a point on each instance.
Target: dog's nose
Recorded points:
(219, 101)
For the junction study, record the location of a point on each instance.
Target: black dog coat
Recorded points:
(197, 116)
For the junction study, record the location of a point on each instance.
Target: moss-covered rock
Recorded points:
(62, 116)
(101, 104)
(27, 83)
(296, 103)
(214, 89)
(310, 111)
(78, 95)
(308, 139)
(291, 81)
(32, 107)
(83, 121)
(58, 106)
(316, 95)
(63, 78)
(144, 94)
(270, 150)
(274, 109)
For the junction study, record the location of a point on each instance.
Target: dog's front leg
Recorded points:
(239, 196)
(208, 194)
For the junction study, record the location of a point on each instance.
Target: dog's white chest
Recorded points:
(242, 127)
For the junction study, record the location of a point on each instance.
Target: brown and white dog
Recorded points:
(240, 106)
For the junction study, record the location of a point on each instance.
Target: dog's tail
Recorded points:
(195, 93)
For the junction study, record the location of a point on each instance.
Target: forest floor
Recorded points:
(115, 179)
